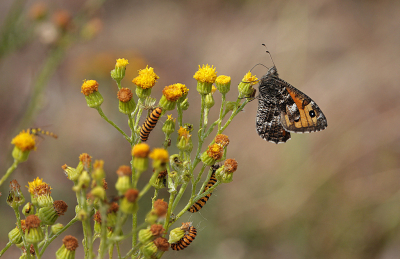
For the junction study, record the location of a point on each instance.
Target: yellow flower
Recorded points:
(222, 140)
(159, 154)
(121, 62)
(223, 84)
(85, 159)
(24, 141)
(98, 164)
(89, 86)
(206, 74)
(215, 151)
(141, 150)
(183, 88)
(183, 132)
(173, 92)
(146, 78)
(39, 187)
(169, 118)
(230, 165)
(249, 78)
(223, 79)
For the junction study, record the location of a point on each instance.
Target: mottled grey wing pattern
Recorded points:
(268, 122)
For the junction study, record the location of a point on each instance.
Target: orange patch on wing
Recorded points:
(299, 102)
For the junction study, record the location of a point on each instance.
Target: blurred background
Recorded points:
(331, 194)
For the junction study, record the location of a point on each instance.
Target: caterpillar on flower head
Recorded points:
(186, 239)
(201, 202)
(149, 124)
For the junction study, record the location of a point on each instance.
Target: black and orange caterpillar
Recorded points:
(150, 123)
(37, 131)
(200, 203)
(186, 239)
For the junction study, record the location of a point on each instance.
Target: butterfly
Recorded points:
(282, 109)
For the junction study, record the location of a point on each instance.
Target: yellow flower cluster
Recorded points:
(25, 141)
(146, 78)
(89, 86)
(121, 62)
(249, 78)
(38, 186)
(206, 74)
(175, 91)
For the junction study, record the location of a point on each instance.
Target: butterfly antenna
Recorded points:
(259, 64)
(269, 54)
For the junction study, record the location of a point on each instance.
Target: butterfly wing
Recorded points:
(300, 114)
(268, 122)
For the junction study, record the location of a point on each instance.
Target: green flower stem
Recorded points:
(48, 242)
(103, 238)
(13, 33)
(180, 113)
(194, 183)
(35, 246)
(110, 252)
(221, 110)
(135, 178)
(9, 171)
(179, 196)
(134, 249)
(9, 244)
(134, 227)
(139, 113)
(112, 123)
(154, 197)
(131, 123)
(206, 181)
(206, 112)
(144, 190)
(169, 211)
(234, 113)
(121, 218)
(211, 128)
(196, 199)
(87, 231)
(118, 250)
(18, 216)
(54, 58)
(203, 99)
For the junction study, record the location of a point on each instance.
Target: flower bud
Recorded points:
(33, 233)
(119, 72)
(169, 126)
(90, 90)
(205, 77)
(126, 102)
(185, 104)
(209, 101)
(223, 84)
(56, 228)
(124, 180)
(67, 250)
(140, 153)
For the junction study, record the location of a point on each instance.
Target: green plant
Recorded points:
(173, 171)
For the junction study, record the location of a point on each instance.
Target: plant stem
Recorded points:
(18, 216)
(196, 199)
(57, 234)
(234, 113)
(9, 244)
(9, 171)
(112, 123)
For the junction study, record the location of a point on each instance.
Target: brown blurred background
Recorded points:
(331, 194)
